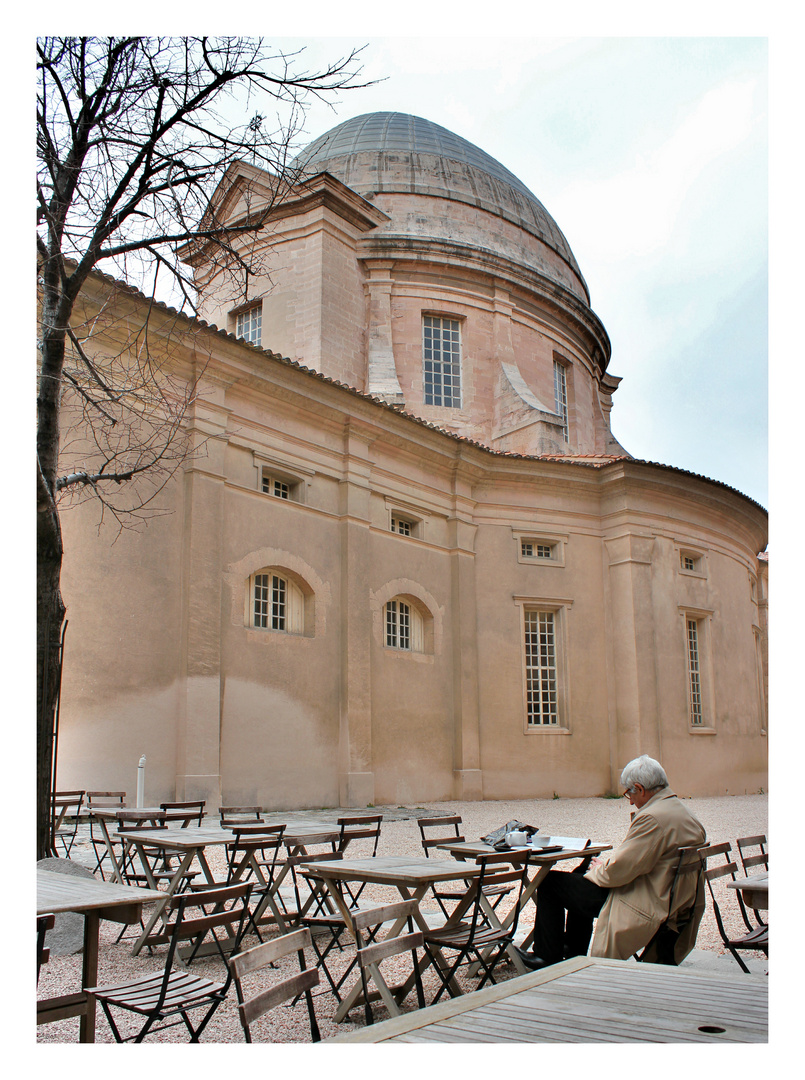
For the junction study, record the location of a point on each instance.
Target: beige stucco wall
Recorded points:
(160, 660)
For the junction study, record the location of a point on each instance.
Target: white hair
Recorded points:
(645, 771)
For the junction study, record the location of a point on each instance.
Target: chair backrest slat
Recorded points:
(439, 830)
(381, 950)
(386, 913)
(262, 956)
(261, 1003)
(270, 951)
(240, 815)
(759, 859)
(186, 812)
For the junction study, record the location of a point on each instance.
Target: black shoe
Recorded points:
(532, 962)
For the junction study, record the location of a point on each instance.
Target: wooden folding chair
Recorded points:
(445, 830)
(159, 998)
(749, 861)
(66, 811)
(476, 937)
(681, 908)
(757, 939)
(358, 827)
(761, 856)
(316, 914)
(158, 860)
(231, 816)
(184, 813)
(254, 855)
(371, 953)
(267, 954)
(103, 800)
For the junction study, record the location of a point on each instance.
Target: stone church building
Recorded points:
(412, 563)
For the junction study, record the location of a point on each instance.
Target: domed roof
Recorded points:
(395, 152)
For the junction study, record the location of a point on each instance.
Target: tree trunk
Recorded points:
(49, 619)
(49, 606)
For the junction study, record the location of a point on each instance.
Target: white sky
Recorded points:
(651, 155)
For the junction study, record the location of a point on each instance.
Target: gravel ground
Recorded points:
(725, 818)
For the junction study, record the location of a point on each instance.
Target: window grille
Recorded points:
(277, 604)
(401, 526)
(249, 324)
(398, 625)
(694, 674)
(532, 550)
(560, 394)
(540, 653)
(278, 488)
(441, 351)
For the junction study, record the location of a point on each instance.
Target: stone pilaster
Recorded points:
(634, 712)
(198, 772)
(382, 378)
(355, 769)
(467, 775)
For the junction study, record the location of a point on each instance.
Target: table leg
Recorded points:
(89, 975)
(160, 906)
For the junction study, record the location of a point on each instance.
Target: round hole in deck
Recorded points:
(711, 1029)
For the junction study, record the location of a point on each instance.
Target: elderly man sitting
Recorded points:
(627, 889)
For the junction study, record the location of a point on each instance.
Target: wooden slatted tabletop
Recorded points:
(754, 889)
(95, 900)
(62, 892)
(590, 1000)
(395, 870)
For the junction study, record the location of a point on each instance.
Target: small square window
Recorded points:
(691, 562)
(279, 487)
(403, 523)
(535, 549)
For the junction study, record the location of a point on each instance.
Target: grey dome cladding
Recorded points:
(396, 152)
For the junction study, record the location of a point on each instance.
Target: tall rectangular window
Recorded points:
(560, 394)
(540, 659)
(441, 353)
(694, 674)
(269, 601)
(250, 324)
(398, 625)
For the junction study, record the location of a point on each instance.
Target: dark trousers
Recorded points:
(567, 904)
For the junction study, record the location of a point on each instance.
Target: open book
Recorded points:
(564, 843)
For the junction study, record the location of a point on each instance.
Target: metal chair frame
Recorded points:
(477, 937)
(177, 992)
(757, 939)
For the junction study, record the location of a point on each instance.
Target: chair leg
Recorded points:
(741, 964)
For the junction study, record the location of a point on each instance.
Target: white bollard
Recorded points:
(141, 782)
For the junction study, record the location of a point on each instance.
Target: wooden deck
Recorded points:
(588, 1000)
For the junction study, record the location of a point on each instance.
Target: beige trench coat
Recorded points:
(640, 872)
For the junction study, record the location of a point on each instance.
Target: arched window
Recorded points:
(276, 603)
(404, 626)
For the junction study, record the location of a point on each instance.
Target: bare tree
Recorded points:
(132, 139)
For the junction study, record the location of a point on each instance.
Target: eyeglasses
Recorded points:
(629, 791)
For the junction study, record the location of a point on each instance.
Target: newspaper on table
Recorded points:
(498, 836)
